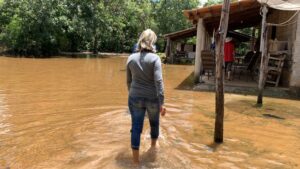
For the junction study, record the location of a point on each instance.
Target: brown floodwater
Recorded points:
(72, 113)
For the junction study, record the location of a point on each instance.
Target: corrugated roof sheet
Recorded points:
(283, 4)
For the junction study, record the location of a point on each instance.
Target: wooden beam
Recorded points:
(199, 47)
(264, 56)
(234, 17)
(220, 40)
(233, 26)
(168, 51)
(247, 19)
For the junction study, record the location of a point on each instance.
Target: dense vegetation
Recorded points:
(46, 27)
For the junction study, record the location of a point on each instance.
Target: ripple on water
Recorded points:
(102, 108)
(276, 163)
(171, 104)
(228, 165)
(4, 125)
(171, 109)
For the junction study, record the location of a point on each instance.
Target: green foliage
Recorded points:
(169, 17)
(213, 2)
(42, 28)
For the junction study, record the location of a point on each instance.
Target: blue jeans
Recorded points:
(138, 107)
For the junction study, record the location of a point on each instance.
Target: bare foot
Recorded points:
(135, 164)
(135, 158)
(151, 154)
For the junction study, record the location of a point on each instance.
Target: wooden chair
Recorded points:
(241, 63)
(248, 68)
(246, 59)
(208, 63)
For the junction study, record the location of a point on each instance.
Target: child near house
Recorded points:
(228, 57)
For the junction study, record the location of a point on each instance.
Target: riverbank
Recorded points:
(69, 55)
(91, 54)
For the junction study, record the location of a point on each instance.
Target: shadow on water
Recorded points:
(187, 83)
(271, 110)
(273, 116)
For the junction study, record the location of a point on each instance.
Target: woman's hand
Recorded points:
(163, 110)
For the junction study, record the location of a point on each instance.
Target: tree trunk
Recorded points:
(220, 39)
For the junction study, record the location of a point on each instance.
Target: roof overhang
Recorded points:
(191, 32)
(182, 34)
(244, 13)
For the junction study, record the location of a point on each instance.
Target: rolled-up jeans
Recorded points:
(138, 107)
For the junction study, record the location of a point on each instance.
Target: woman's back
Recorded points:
(144, 68)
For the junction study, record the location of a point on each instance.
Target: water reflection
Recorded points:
(72, 113)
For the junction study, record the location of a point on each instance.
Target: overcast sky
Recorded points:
(203, 1)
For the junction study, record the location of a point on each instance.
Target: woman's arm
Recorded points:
(159, 81)
(129, 77)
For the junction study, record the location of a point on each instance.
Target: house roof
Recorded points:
(190, 32)
(244, 13)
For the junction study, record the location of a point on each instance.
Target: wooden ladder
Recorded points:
(275, 64)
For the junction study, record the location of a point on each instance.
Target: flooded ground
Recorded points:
(72, 113)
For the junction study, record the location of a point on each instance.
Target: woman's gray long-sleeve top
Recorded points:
(144, 76)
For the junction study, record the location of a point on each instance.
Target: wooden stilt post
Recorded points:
(220, 39)
(171, 54)
(167, 50)
(264, 56)
(199, 47)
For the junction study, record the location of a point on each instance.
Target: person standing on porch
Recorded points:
(229, 52)
(146, 90)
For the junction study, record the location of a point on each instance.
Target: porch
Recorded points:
(246, 14)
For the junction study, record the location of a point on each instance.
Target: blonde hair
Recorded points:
(147, 40)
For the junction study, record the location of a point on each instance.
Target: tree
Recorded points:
(44, 28)
(169, 17)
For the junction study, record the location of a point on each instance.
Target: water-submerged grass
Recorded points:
(72, 113)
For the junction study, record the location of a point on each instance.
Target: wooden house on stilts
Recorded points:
(282, 38)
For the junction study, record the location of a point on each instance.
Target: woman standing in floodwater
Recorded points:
(146, 90)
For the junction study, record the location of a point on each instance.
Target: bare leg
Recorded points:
(229, 75)
(153, 143)
(135, 154)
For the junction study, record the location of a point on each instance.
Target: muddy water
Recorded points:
(72, 113)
